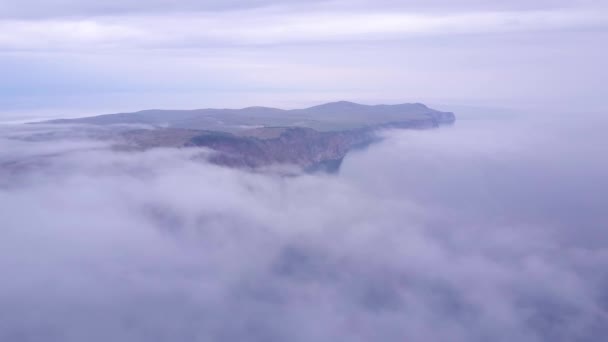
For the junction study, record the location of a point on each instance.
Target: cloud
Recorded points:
(37, 9)
(263, 27)
(97, 57)
(482, 231)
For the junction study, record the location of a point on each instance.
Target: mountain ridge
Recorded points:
(254, 137)
(324, 117)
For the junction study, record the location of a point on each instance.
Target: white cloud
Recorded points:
(33, 9)
(272, 27)
(470, 233)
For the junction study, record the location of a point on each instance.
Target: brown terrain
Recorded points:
(315, 138)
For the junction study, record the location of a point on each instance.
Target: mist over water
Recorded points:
(487, 230)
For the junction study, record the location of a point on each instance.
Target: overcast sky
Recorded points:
(71, 57)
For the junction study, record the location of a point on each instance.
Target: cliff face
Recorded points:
(312, 138)
(443, 118)
(305, 147)
(329, 117)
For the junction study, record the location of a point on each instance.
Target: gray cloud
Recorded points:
(473, 233)
(481, 69)
(36, 9)
(48, 9)
(269, 27)
(82, 57)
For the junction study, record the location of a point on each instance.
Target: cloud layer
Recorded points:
(269, 27)
(35, 9)
(472, 233)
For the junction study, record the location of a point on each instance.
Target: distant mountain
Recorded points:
(313, 138)
(326, 117)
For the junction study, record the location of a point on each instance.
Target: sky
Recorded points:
(71, 58)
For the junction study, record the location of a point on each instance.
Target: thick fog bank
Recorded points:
(481, 231)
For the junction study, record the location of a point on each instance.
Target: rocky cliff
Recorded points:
(313, 138)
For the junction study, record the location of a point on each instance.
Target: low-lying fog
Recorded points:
(485, 231)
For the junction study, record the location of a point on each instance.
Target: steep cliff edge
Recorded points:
(305, 147)
(315, 138)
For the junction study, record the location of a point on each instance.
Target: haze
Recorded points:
(467, 233)
(480, 217)
(69, 58)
